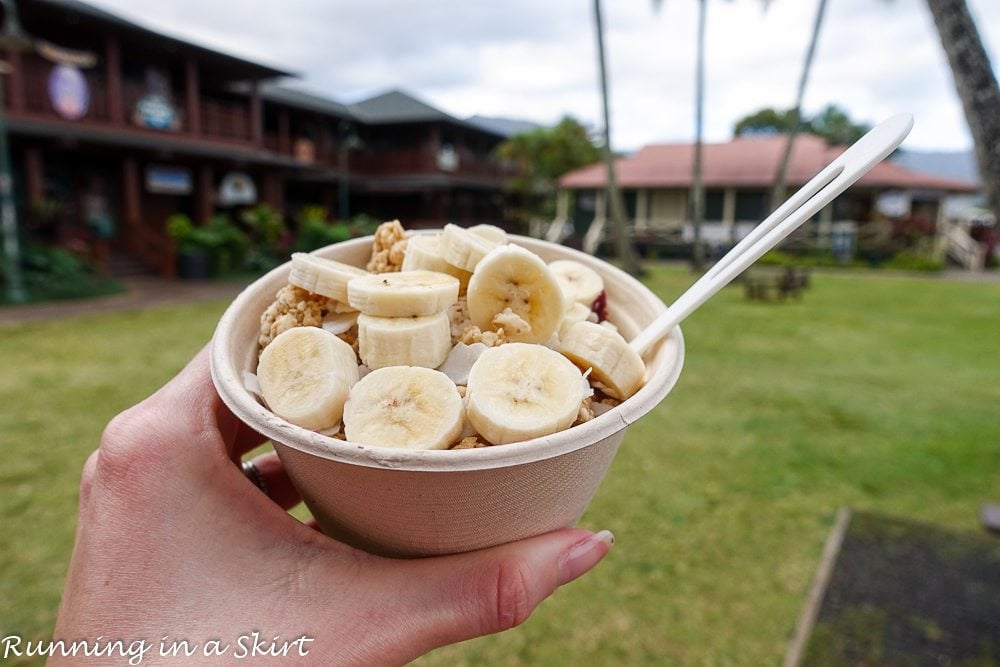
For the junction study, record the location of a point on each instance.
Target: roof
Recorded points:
(97, 15)
(395, 106)
(748, 162)
(506, 127)
(960, 165)
(301, 99)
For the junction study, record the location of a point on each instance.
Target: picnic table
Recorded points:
(767, 284)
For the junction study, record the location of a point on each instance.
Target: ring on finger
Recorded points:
(252, 472)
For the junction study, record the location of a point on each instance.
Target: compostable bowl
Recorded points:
(418, 503)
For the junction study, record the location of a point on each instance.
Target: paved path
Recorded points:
(139, 293)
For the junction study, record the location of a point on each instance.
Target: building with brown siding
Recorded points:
(114, 127)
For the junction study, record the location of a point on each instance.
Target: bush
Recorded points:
(58, 273)
(912, 260)
(267, 238)
(316, 230)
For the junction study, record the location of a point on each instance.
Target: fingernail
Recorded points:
(584, 555)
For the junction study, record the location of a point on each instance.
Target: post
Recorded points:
(191, 96)
(256, 115)
(8, 217)
(113, 76)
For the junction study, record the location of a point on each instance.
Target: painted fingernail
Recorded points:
(584, 555)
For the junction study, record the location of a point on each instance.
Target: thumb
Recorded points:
(492, 590)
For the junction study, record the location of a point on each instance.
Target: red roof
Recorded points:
(746, 162)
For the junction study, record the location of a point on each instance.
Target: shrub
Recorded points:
(59, 273)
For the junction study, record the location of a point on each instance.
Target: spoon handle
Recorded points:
(836, 177)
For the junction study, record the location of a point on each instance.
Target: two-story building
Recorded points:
(114, 127)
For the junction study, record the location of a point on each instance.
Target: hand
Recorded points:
(175, 544)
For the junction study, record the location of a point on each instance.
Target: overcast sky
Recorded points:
(536, 59)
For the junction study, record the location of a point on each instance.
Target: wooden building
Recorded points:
(114, 127)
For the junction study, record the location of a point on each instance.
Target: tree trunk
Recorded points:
(977, 89)
(697, 187)
(778, 191)
(619, 233)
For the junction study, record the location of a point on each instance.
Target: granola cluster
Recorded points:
(388, 248)
(293, 307)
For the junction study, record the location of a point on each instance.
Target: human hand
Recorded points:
(174, 544)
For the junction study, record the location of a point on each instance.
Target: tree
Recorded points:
(832, 123)
(977, 88)
(778, 191)
(542, 155)
(619, 233)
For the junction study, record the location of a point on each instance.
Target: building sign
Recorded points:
(237, 189)
(164, 180)
(154, 109)
(68, 92)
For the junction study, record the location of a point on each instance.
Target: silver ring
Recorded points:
(252, 472)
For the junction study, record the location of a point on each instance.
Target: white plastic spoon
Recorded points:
(836, 177)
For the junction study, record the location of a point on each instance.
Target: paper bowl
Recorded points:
(418, 503)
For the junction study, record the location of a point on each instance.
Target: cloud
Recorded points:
(537, 60)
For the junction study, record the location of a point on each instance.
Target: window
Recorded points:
(750, 205)
(714, 204)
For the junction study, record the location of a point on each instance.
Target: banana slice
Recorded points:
(520, 391)
(579, 282)
(404, 341)
(576, 313)
(305, 375)
(490, 233)
(513, 278)
(423, 252)
(321, 276)
(405, 407)
(615, 365)
(464, 248)
(403, 294)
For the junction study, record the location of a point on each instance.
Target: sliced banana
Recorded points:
(513, 278)
(423, 252)
(404, 341)
(403, 294)
(520, 391)
(405, 407)
(579, 282)
(322, 276)
(575, 313)
(305, 375)
(464, 248)
(615, 365)
(490, 233)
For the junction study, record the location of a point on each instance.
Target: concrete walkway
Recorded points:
(139, 293)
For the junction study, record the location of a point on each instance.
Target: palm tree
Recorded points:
(697, 201)
(977, 88)
(619, 233)
(778, 191)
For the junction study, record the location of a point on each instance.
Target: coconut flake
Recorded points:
(252, 384)
(588, 391)
(460, 360)
(338, 323)
(332, 431)
(363, 371)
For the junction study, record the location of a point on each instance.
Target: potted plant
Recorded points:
(195, 247)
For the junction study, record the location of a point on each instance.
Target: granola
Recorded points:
(388, 248)
(293, 307)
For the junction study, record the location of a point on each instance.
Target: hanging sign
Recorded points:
(237, 189)
(154, 110)
(68, 92)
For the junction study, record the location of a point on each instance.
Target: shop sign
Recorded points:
(164, 180)
(154, 109)
(68, 92)
(237, 189)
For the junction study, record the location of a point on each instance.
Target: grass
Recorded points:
(877, 391)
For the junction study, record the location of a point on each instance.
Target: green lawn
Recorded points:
(877, 391)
